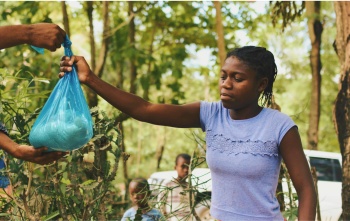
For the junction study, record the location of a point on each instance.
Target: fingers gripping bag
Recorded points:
(65, 122)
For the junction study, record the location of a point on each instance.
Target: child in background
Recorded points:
(140, 192)
(245, 140)
(176, 195)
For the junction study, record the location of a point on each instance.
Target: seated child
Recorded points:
(139, 194)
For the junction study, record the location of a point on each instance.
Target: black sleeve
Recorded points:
(3, 128)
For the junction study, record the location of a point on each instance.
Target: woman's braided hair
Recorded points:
(263, 62)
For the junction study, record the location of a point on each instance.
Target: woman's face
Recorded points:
(239, 85)
(138, 194)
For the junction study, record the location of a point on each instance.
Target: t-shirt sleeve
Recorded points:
(207, 111)
(286, 124)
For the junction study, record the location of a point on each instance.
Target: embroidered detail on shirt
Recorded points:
(218, 142)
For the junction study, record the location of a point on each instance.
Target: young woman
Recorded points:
(245, 141)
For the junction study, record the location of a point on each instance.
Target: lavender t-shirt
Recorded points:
(244, 159)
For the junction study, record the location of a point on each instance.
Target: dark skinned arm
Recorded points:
(28, 153)
(43, 35)
(183, 116)
(298, 168)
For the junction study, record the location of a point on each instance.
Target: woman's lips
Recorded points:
(225, 96)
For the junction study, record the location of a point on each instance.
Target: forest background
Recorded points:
(167, 52)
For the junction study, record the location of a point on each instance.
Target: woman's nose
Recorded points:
(226, 83)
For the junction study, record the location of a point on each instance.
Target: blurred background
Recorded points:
(167, 52)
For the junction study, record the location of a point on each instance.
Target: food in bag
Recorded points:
(65, 122)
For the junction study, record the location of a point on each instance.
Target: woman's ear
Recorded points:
(263, 82)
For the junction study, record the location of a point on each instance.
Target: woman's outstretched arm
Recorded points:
(184, 116)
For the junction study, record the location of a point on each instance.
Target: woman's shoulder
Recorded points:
(209, 107)
(211, 103)
(275, 114)
(278, 121)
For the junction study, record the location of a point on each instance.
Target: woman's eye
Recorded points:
(238, 79)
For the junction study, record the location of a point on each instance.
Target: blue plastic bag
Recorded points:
(65, 122)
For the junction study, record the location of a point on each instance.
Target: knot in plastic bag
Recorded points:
(67, 46)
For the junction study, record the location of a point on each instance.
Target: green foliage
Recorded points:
(16, 101)
(291, 198)
(291, 214)
(77, 187)
(168, 36)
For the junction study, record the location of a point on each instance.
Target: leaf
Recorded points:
(88, 182)
(65, 181)
(63, 188)
(43, 80)
(89, 185)
(51, 216)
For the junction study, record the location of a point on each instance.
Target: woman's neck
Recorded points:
(245, 113)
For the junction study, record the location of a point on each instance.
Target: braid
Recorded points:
(263, 62)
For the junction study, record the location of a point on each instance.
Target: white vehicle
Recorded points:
(329, 185)
(328, 169)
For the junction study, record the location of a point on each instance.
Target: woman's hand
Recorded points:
(28, 153)
(45, 35)
(37, 155)
(84, 72)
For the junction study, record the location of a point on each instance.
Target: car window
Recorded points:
(327, 169)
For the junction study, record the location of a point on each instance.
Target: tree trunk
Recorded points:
(132, 89)
(315, 33)
(220, 33)
(105, 41)
(99, 66)
(133, 71)
(341, 112)
(314, 178)
(125, 165)
(161, 140)
(89, 11)
(139, 148)
(150, 62)
(65, 18)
